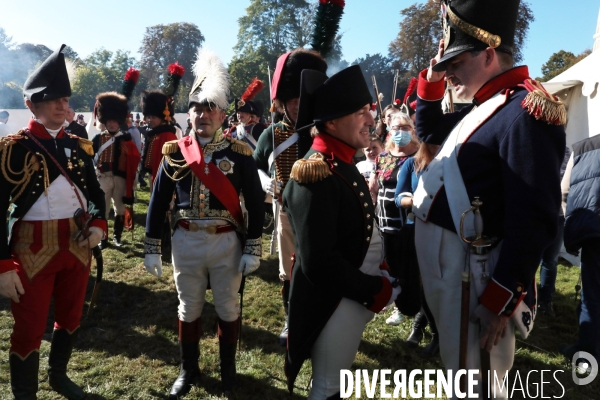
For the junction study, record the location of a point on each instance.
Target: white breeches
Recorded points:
(442, 260)
(285, 240)
(113, 188)
(336, 347)
(198, 255)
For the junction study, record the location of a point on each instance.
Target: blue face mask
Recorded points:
(401, 138)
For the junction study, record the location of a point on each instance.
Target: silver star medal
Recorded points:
(225, 165)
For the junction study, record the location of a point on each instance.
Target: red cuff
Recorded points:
(383, 297)
(500, 300)
(7, 265)
(100, 223)
(430, 91)
(385, 267)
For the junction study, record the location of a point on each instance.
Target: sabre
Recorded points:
(478, 244)
(273, 244)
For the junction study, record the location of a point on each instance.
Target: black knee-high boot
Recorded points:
(60, 353)
(285, 297)
(189, 341)
(24, 375)
(118, 229)
(419, 325)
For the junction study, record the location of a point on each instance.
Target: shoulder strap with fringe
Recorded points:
(240, 147)
(310, 170)
(543, 105)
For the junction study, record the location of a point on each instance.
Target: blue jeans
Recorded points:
(589, 308)
(550, 263)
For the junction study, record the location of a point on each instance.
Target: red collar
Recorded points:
(505, 80)
(329, 145)
(40, 131)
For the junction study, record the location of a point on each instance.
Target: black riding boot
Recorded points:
(24, 375)
(416, 335)
(228, 337)
(60, 353)
(285, 297)
(189, 340)
(433, 348)
(118, 229)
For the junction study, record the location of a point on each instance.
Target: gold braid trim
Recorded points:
(87, 146)
(30, 167)
(180, 166)
(240, 147)
(480, 34)
(170, 147)
(312, 170)
(543, 105)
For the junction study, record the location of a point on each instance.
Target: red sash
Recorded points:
(214, 180)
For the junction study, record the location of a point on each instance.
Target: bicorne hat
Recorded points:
(50, 80)
(473, 25)
(323, 99)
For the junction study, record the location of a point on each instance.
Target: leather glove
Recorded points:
(268, 184)
(153, 264)
(10, 285)
(249, 264)
(396, 289)
(96, 235)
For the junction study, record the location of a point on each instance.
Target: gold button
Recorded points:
(81, 179)
(335, 164)
(211, 229)
(368, 239)
(362, 194)
(202, 196)
(354, 184)
(366, 205)
(78, 173)
(193, 227)
(519, 289)
(85, 187)
(202, 187)
(202, 205)
(32, 192)
(37, 184)
(368, 215)
(202, 214)
(369, 227)
(39, 176)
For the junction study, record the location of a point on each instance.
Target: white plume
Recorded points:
(211, 79)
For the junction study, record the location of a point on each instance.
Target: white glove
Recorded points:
(153, 264)
(268, 184)
(249, 264)
(10, 285)
(395, 290)
(96, 235)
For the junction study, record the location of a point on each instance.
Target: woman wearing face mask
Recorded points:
(400, 146)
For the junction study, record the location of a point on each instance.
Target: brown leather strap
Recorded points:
(212, 229)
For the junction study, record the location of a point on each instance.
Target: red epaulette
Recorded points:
(543, 105)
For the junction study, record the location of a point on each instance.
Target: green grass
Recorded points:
(127, 348)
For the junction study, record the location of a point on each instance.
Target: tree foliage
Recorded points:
(421, 31)
(166, 44)
(101, 71)
(380, 67)
(560, 62)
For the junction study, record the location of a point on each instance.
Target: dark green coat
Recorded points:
(264, 147)
(332, 221)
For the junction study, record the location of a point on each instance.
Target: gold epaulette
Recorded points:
(543, 105)
(240, 147)
(312, 170)
(87, 146)
(170, 147)
(9, 140)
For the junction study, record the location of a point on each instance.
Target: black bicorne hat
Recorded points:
(323, 99)
(252, 107)
(473, 25)
(50, 80)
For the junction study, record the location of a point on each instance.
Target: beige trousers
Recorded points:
(285, 243)
(113, 188)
